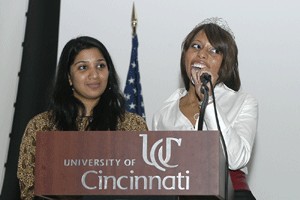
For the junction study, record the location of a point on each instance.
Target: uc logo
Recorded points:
(157, 148)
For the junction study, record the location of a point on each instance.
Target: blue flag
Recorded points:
(133, 88)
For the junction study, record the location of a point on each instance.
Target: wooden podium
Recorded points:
(188, 164)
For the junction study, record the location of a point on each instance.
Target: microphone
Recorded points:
(205, 78)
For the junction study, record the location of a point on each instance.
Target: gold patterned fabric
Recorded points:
(42, 122)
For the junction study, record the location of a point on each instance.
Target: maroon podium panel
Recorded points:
(129, 163)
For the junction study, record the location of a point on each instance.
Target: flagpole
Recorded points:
(133, 20)
(133, 89)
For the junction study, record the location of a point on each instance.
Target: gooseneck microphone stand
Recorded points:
(205, 90)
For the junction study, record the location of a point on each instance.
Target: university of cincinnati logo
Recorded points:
(157, 149)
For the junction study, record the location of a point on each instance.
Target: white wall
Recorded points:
(267, 33)
(12, 29)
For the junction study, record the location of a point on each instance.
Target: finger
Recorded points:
(195, 76)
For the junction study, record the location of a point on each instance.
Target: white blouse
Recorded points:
(237, 114)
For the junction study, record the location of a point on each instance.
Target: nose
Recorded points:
(202, 53)
(94, 73)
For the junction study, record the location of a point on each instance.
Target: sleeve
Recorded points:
(239, 131)
(25, 172)
(26, 163)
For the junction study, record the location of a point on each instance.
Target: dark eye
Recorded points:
(82, 67)
(101, 65)
(215, 51)
(196, 46)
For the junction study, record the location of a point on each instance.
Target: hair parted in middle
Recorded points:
(65, 108)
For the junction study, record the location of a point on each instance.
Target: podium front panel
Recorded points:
(129, 163)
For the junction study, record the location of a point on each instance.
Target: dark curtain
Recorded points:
(35, 77)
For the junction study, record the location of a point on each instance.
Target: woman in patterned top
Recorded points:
(86, 96)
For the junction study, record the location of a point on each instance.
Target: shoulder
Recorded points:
(170, 102)
(226, 97)
(222, 91)
(41, 117)
(44, 116)
(170, 108)
(132, 122)
(177, 94)
(41, 122)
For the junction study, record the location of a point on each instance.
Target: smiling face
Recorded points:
(202, 56)
(89, 77)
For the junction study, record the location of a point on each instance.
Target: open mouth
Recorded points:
(198, 65)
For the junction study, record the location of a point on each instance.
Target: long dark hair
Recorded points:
(222, 41)
(65, 108)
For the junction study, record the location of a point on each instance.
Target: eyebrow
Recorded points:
(197, 40)
(81, 61)
(85, 61)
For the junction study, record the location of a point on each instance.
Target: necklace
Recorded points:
(196, 116)
(84, 121)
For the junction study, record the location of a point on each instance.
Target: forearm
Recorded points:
(238, 131)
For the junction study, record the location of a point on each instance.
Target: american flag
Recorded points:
(133, 88)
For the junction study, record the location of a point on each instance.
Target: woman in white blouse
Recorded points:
(210, 49)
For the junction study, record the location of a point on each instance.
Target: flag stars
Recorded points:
(132, 106)
(131, 80)
(127, 96)
(133, 64)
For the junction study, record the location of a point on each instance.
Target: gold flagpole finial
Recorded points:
(133, 20)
